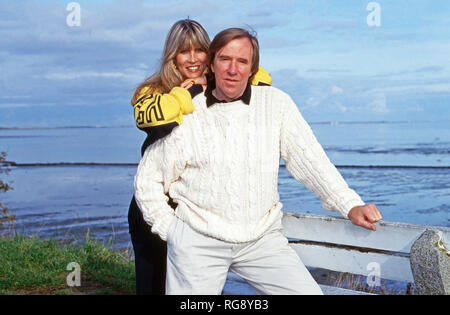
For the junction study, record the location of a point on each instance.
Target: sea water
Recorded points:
(402, 167)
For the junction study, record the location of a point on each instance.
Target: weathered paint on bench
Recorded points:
(336, 244)
(390, 236)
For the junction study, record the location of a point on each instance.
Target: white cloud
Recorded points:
(378, 104)
(90, 74)
(415, 108)
(312, 49)
(340, 107)
(312, 101)
(414, 88)
(335, 90)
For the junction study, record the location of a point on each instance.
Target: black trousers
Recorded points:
(150, 253)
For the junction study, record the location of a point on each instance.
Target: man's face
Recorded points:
(232, 68)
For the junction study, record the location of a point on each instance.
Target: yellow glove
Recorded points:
(160, 109)
(262, 77)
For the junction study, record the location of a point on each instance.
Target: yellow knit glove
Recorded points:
(262, 77)
(161, 109)
(184, 99)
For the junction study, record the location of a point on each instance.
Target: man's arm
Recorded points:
(159, 167)
(307, 162)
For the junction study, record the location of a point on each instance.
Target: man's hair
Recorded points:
(226, 36)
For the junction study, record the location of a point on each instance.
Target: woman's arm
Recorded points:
(159, 109)
(158, 113)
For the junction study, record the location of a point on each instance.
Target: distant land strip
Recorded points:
(7, 163)
(66, 127)
(357, 122)
(14, 164)
(393, 166)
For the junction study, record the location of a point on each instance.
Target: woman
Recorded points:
(159, 104)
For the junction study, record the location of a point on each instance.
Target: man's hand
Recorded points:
(365, 216)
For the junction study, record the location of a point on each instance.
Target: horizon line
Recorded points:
(311, 123)
(55, 164)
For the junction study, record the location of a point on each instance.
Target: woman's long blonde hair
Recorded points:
(182, 35)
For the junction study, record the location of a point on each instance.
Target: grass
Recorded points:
(30, 265)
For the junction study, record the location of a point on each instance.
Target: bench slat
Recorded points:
(355, 262)
(390, 236)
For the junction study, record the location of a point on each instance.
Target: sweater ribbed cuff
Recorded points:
(195, 90)
(349, 205)
(162, 227)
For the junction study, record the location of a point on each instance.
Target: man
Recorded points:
(221, 167)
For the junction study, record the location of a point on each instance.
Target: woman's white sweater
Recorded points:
(221, 167)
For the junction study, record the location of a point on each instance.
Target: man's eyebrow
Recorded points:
(223, 56)
(229, 57)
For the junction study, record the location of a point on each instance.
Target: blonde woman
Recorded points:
(159, 104)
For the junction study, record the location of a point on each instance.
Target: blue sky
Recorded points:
(323, 53)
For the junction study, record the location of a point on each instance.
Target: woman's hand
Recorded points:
(190, 82)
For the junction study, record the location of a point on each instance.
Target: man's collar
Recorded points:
(211, 99)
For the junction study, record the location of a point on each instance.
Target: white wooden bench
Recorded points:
(336, 244)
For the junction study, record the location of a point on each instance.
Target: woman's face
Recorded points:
(191, 62)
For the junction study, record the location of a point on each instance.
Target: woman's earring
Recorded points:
(172, 64)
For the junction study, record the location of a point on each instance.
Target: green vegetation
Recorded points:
(4, 187)
(30, 265)
(33, 266)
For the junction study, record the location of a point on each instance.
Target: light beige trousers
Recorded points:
(198, 264)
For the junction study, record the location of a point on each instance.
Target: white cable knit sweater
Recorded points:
(221, 167)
